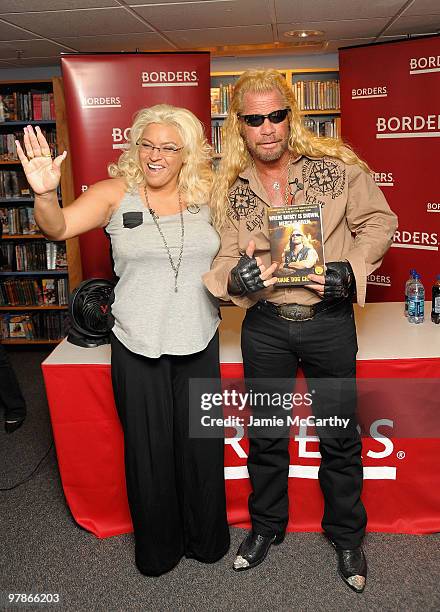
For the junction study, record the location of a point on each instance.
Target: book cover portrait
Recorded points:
(296, 242)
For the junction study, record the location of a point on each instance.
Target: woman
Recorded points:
(165, 331)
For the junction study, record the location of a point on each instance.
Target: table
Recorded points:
(401, 481)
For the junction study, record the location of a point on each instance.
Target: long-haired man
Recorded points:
(270, 159)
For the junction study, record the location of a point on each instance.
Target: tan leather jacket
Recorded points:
(358, 226)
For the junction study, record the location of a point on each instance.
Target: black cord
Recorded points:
(18, 484)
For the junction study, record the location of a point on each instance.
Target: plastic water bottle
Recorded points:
(407, 284)
(416, 300)
(435, 313)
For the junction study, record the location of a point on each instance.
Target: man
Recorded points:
(270, 159)
(299, 256)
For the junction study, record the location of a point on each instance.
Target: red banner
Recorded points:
(390, 108)
(401, 477)
(103, 93)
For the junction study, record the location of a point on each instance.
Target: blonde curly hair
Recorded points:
(235, 156)
(196, 176)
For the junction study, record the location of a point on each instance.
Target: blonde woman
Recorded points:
(270, 159)
(154, 208)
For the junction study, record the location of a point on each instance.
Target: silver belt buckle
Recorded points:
(295, 312)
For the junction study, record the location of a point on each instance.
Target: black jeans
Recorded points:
(324, 347)
(11, 397)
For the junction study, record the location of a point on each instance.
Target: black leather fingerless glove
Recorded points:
(339, 280)
(245, 277)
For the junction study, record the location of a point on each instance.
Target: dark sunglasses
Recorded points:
(297, 235)
(257, 120)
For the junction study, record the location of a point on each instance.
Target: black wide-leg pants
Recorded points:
(11, 397)
(325, 347)
(175, 484)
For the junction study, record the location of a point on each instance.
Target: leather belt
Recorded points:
(300, 312)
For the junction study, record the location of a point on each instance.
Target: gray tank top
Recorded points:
(151, 319)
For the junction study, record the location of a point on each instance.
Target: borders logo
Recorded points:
(433, 207)
(120, 138)
(423, 65)
(379, 279)
(423, 241)
(381, 472)
(383, 179)
(408, 127)
(100, 102)
(369, 92)
(185, 78)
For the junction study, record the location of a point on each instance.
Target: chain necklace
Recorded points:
(287, 190)
(276, 185)
(174, 266)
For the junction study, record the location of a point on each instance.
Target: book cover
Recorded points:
(49, 291)
(31, 223)
(215, 100)
(17, 327)
(4, 220)
(296, 242)
(9, 104)
(60, 256)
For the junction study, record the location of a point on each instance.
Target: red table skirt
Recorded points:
(401, 487)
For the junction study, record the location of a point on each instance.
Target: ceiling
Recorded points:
(35, 32)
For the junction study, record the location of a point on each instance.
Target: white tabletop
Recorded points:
(383, 333)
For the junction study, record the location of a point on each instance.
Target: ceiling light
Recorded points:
(301, 34)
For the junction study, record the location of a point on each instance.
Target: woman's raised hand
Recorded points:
(42, 172)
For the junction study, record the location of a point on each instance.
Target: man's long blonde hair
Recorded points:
(235, 156)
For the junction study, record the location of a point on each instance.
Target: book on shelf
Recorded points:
(33, 256)
(7, 256)
(18, 220)
(8, 149)
(215, 100)
(60, 256)
(49, 291)
(296, 243)
(216, 136)
(221, 98)
(51, 325)
(56, 255)
(17, 326)
(13, 184)
(317, 95)
(33, 105)
(4, 220)
(8, 107)
(330, 128)
(34, 292)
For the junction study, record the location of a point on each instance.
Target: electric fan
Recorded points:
(90, 313)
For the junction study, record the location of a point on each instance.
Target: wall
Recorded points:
(218, 64)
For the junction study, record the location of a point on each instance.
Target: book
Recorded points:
(49, 291)
(60, 256)
(296, 243)
(17, 326)
(215, 100)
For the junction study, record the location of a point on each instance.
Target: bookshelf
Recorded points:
(316, 90)
(38, 275)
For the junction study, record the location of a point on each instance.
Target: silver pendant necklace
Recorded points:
(276, 185)
(174, 266)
